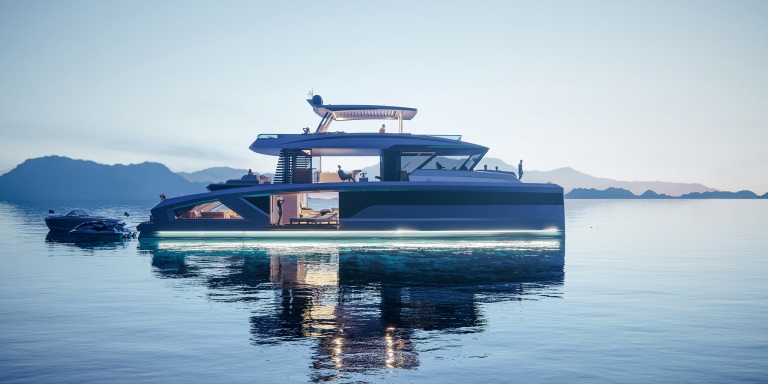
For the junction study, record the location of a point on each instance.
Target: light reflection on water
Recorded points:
(364, 302)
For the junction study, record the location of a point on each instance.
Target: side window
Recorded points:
(209, 210)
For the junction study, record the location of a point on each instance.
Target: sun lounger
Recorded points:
(324, 219)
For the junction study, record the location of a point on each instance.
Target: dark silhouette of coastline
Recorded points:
(56, 177)
(619, 193)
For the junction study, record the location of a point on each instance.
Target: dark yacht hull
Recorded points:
(381, 209)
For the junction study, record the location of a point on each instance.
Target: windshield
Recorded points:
(413, 162)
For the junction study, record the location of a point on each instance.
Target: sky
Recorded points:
(631, 90)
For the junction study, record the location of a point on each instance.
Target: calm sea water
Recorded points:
(637, 292)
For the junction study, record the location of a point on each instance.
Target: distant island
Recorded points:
(620, 193)
(58, 177)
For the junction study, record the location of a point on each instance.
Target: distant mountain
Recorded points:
(619, 193)
(653, 195)
(723, 195)
(569, 178)
(610, 193)
(56, 177)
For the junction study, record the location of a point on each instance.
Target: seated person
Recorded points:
(346, 176)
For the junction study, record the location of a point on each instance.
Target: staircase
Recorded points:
(293, 167)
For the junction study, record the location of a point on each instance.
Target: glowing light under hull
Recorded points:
(349, 234)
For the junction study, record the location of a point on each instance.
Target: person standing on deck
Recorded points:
(279, 210)
(382, 129)
(520, 170)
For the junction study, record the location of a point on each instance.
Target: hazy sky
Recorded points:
(646, 90)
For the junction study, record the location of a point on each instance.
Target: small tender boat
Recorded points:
(103, 228)
(68, 222)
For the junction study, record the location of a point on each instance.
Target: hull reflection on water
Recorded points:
(85, 242)
(364, 301)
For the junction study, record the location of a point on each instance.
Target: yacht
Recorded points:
(427, 185)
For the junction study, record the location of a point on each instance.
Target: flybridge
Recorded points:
(390, 145)
(330, 113)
